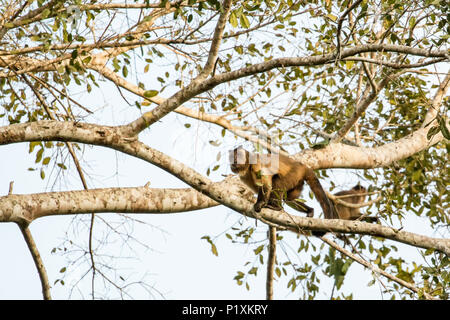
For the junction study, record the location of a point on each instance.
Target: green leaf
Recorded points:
(62, 166)
(215, 143)
(115, 64)
(278, 272)
(244, 22)
(45, 13)
(259, 249)
(253, 270)
(46, 161)
(444, 128)
(349, 64)
(214, 249)
(321, 144)
(233, 20)
(33, 144)
(42, 174)
(416, 175)
(432, 132)
(150, 93)
(39, 155)
(332, 17)
(213, 246)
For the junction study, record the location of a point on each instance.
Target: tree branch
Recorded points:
(375, 268)
(24, 209)
(231, 196)
(195, 88)
(215, 43)
(272, 254)
(29, 240)
(362, 106)
(339, 27)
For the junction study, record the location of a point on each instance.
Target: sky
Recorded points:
(176, 263)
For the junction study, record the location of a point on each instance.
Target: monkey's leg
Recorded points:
(300, 206)
(260, 201)
(276, 197)
(263, 194)
(275, 200)
(371, 219)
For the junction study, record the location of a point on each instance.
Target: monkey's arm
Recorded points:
(264, 189)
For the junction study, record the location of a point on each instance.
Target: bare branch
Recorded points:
(370, 78)
(37, 260)
(24, 209)
(432, 112)
(394, 65)
(272, 249)
(339, 27)
(215, 43)
(375, 268)
(362, 106)
(195, 88)
(29, 240)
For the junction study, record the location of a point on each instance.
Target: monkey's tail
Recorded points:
(314, 183)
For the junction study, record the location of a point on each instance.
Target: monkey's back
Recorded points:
(356, 197)
(345, 212)
(290, 174)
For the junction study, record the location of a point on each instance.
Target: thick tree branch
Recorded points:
(395, 65)
(231, 196)
(202, 116)
(337, 155)
(26, 208)
(300, 224)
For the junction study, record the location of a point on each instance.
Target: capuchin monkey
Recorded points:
(348, 213)
(276, 178)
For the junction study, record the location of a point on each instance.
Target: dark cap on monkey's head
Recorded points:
(359, 187)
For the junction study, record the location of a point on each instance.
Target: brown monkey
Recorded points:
(276, 178)
(348, 213)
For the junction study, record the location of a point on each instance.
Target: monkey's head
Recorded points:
(239, 160)
(359, 188)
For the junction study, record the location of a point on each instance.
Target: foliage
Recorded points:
(48, 56)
